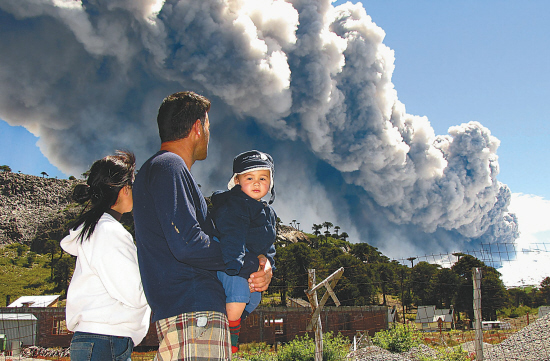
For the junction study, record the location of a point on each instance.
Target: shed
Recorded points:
(428, 318)
(495, 325)
(543, 311)
(19, 327)
(36, 301)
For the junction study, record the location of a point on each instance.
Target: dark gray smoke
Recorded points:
(301, 79)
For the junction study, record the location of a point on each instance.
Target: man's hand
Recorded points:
(259, 281)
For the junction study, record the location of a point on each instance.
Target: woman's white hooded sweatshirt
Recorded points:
(105, 295)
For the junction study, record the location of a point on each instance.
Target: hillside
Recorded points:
(34, 209)
(32, 206)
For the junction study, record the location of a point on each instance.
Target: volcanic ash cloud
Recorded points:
(296, 76)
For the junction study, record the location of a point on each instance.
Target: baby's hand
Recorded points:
(259, 281)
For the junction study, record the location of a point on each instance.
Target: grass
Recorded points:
(19, 277)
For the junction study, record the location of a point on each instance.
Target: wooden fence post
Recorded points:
(317, 326)
(477, 313)
(316, 307)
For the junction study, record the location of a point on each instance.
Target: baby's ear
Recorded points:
(237, 180)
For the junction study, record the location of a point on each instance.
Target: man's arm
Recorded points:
(176, 202)
(232, 222)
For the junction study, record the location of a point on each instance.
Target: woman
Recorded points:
(106, 307)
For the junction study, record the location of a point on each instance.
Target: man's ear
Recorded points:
(197, 127)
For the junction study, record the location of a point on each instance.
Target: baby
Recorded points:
(245, 225)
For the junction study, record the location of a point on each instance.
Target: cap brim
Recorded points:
(232, 183)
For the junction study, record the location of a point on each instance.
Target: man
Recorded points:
(177, 255)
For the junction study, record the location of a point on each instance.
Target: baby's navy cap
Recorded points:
(251, 160)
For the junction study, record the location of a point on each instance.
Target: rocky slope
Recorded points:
(290, 234)
(34, 209)
(32, 206)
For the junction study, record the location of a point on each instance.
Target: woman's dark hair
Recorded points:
(107, 177)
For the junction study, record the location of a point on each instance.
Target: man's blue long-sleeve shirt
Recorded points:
(177, 259)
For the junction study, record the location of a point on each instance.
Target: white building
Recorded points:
(36, 301)
(19, 327)
(428, 318)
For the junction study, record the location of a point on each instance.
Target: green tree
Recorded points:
(63, 270)
(420, 278)
(545, 290)
(52, 247)
(386, 276)
(327, 232)
(31, 258)
(520, 297)
(316, 229)
(443, 287)
(5, 169)
(317, 232)
(465, 293)
(355, 288)
(493, 293)
(20, 249)
(328, 252)
(44, 174)
(404, 287)
(328, 225)
(280, 280)
(537, 298)
(367, 253)
(292, 265)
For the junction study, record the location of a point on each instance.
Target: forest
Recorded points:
(371, 278)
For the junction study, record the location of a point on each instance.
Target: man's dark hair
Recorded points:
(178, 112)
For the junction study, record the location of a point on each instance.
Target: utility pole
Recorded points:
(402, 294)
(409, 288)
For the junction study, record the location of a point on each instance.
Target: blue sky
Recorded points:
(19, 151)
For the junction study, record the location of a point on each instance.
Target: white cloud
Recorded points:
(530, 266)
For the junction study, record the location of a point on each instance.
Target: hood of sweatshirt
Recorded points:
(219, 198)
(70, 242)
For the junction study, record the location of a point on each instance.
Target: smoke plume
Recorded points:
(301, 79)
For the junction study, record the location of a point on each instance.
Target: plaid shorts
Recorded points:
(194, 336)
